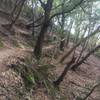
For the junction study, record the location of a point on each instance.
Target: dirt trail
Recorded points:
(5, 54)
(9, 80)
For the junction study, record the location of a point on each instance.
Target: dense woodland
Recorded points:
(49, 49)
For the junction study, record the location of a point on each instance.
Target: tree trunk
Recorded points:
(75, 66)
(62, 44)
(13, 21)
(69, 32)
(61, 77)
(39, 44)
(33, 19)
(17, 2)
(91, 91)
(72, 65)
(82, 40)
(82, 51)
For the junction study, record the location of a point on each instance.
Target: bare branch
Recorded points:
(68, 11)
(91, 91)
(29, 24)
(76, 65)
(84, 39)
(57, 6)
(42, 3)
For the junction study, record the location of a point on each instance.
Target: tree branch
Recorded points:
(42, 3)
(29, 24)
(84, 39)
(84, 58)
(91, 91)
(57, 6)
(68, 11)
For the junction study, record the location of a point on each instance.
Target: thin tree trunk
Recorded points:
(39, 44)
(61, 77)
(72, 65)
(13, 21)
(84, 39)
(69, 33)
(76, 65)
(33, 19)
(81, 53)
(17, 2)
(85, 98)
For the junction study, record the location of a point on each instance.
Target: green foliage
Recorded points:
(35, 73)
(98, 54)
(39, 74)
(29, 80)
(78, 98)
(15, 43)
(88, 86)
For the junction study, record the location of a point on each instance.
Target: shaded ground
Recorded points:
(85, 77)
(74, 84)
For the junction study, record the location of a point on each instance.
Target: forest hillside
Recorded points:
(49, 50)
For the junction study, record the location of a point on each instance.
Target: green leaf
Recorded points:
(31, 78)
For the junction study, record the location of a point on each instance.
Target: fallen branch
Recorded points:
(91, 91)
(84, 39)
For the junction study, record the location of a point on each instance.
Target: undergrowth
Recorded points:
(38, 74)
